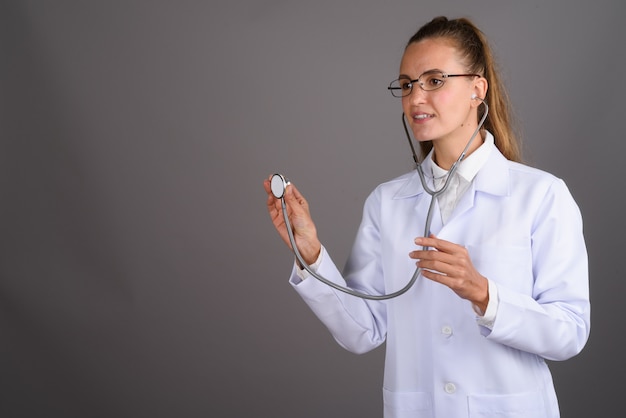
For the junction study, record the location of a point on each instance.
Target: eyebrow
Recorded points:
(432, 70)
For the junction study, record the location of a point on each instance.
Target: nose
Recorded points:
(417, 94)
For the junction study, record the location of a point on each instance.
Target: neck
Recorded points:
(447, 152)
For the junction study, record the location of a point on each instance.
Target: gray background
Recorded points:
(139, 272)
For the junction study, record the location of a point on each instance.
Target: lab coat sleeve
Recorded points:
(357, 324)
(554, 321)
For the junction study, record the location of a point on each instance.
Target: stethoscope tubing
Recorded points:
(334, 285)
(433, 193)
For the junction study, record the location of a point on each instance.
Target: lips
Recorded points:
(422, 116)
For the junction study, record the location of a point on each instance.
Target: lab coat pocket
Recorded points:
(509, 265)
(519, 405)
(407, 404)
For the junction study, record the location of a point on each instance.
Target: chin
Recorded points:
(421, 137)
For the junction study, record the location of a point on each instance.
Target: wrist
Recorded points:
(310, 255)
(482, 301)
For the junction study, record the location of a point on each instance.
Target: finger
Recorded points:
(273, 204)
(433, 275)
(439, 278)
(292, 192)
(431, 255)
(439, 244)
(296, 201)
(268, 189)
(437, 266)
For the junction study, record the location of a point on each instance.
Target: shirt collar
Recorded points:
(468, 168)
(470, 165)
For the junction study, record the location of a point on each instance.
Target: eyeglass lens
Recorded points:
(428, 81)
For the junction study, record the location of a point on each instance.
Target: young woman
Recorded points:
(504, 280)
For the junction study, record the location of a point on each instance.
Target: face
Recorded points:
(445, 115)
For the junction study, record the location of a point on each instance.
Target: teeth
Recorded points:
(422, 116)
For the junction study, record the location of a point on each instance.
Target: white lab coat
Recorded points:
(523, 231)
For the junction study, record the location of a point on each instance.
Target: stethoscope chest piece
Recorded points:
(278, 184)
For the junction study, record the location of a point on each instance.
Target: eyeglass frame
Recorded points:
(412, 82)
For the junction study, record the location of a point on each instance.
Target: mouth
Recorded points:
(419, 117)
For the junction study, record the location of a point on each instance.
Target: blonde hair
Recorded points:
(476, 53)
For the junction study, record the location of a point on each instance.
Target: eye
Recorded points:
(434, 81)
(406, 85)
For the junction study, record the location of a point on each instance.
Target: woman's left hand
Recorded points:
(449, 264)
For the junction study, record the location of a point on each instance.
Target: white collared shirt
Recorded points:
(462, 177)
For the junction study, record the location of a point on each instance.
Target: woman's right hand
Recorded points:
(302, 225)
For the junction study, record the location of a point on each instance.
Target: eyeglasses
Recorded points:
(428, 81)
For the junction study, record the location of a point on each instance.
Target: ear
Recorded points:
(480, 89)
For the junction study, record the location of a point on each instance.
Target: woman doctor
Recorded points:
(504, 284)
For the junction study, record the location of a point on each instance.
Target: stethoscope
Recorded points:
(279, 183)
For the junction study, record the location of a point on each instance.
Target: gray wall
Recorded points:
(139, 272)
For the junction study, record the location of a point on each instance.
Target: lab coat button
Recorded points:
(449, 388)
(446, 330)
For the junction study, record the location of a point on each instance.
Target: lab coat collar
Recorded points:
(492, 178)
